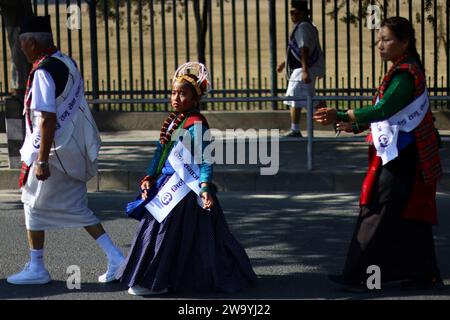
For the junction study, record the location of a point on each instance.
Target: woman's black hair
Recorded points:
(403, 30)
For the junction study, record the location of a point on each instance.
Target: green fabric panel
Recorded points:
(398, 95)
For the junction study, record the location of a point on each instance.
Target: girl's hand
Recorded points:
(207, 199)
(145, 185)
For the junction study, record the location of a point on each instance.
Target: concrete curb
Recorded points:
(232, 180)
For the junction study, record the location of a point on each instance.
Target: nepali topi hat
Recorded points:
(36, 24)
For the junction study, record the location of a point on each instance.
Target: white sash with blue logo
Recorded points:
(65, 112)
(185, 179)
(385, 133)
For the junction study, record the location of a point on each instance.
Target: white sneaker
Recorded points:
(30, 276)
(110, 274)
(141, 291)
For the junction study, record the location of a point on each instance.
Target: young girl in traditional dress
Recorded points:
(192, 248)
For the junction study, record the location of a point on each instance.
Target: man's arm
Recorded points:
(48, 128)
(304, 56)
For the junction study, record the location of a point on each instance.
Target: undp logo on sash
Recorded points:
(384, 140)
(166, 198)
(37, 142)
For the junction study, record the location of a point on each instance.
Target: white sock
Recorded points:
(37, 259)
(111, 251)
(295, 127)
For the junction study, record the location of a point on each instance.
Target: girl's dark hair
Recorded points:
(403, 30)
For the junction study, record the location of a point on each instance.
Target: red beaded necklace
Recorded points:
(165, 134)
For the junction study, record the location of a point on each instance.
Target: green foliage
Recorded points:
(111, 7)
(147, 9)
(354, 16)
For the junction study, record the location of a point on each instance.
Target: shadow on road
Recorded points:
(56, 288)
(293, 241)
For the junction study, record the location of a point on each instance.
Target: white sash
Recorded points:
(185, 179)
(385, 133)
(64, 113)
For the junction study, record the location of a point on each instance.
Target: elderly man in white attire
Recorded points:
(59, 153)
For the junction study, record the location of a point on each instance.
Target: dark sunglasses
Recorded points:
(293, 11)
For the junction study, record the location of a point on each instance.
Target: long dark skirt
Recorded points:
(191, 249)
(402, 248)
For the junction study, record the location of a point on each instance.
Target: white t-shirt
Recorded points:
(78, 144)
(307, 36)
(43, 92)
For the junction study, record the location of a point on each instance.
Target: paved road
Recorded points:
(293, 241)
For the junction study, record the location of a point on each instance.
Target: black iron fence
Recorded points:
(128, 49)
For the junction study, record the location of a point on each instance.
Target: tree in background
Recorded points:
(201, 22)
(12, 13)
(435, 21)
(200, 8)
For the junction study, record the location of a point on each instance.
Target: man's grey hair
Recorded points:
(45, 39)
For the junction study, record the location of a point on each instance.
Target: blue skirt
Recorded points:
(191, 249)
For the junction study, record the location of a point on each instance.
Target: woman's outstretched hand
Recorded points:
(344, 126)
(325, 116)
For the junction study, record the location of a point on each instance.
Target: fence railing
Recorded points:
(128, 49)
(309, 104)
(309, 101)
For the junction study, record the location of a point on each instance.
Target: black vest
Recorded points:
(59, 73)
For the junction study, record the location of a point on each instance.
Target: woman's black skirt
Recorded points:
(402, 248)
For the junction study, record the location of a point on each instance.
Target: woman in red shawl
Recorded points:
(398, 196)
